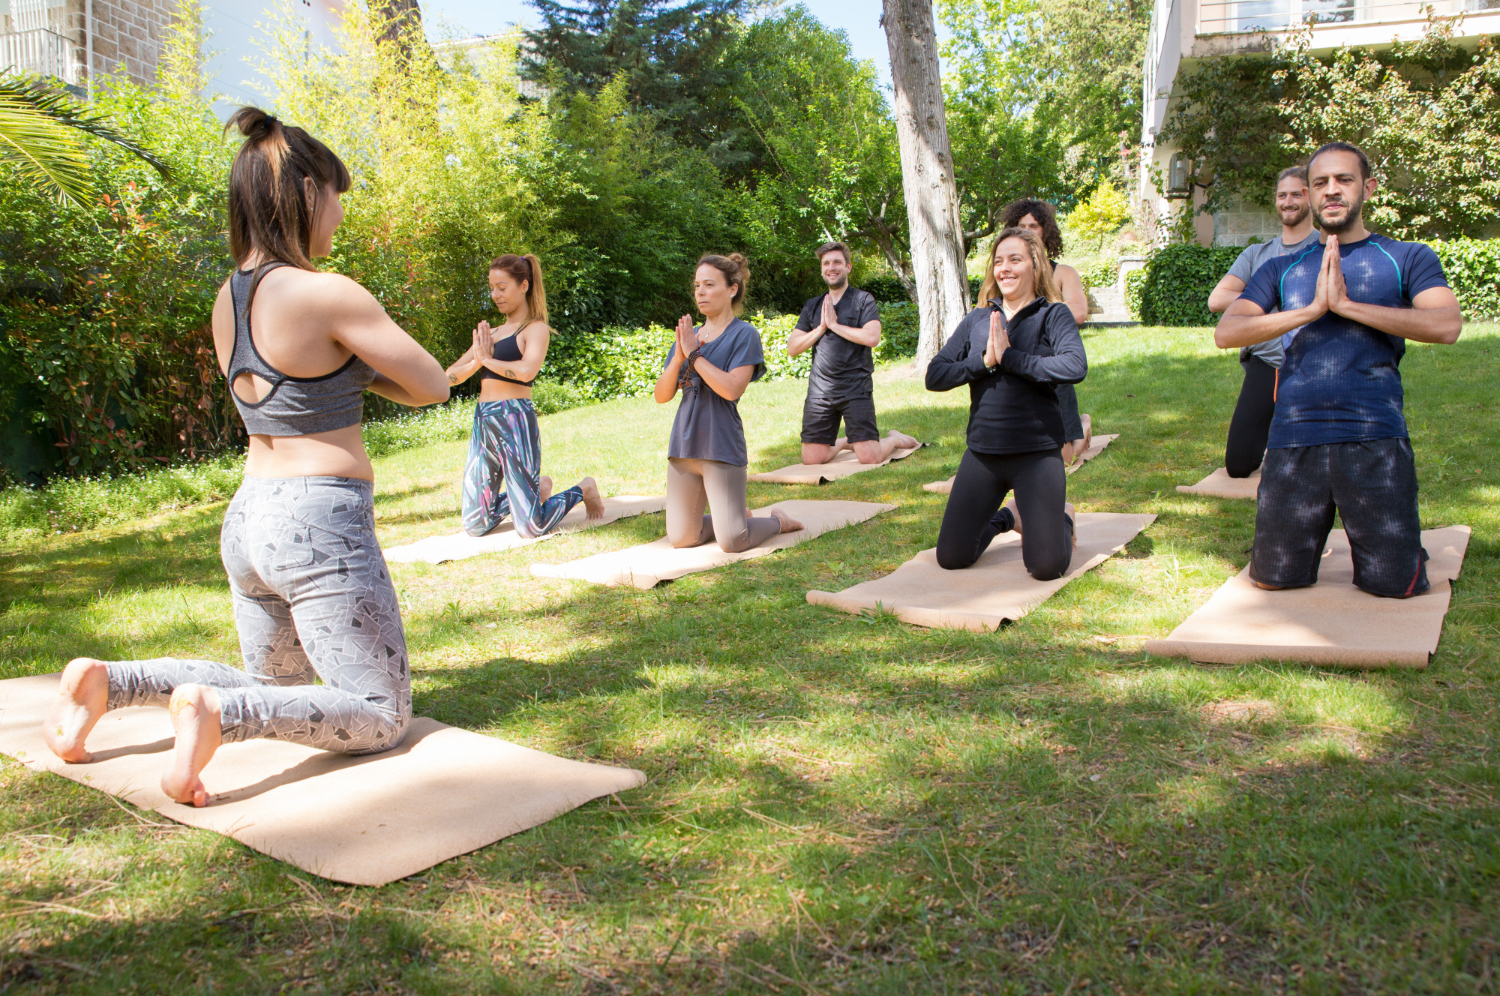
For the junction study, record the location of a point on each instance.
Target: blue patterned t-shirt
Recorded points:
(1340, 380)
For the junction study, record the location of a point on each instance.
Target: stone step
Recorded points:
(1107, 304)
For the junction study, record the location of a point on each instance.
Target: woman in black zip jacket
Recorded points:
(1013, 351)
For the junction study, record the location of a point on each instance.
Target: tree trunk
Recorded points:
(937, 254)
(399, 23)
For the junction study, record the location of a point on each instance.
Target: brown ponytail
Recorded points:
(268, 207)
(529, 269)
(736, 270)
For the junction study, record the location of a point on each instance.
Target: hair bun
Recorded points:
(253, 122)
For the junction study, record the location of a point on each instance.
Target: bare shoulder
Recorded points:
(323, 294)
(1066, 272)
(538, 328)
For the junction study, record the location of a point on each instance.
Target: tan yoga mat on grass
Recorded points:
(1220, 485)
(841, 466)
(461, 546)
(365, 820)
(994, 589)
(1331, 622)
(648, 564)
(1096, 446)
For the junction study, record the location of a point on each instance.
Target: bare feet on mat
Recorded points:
(788, 524)
(1072, 513)
(1015, 514)
(81, 699)
(593, 505)
(903, 441)
(543, 490)
(195, 718)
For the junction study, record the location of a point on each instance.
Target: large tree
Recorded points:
(1073, 64)
(825, 146)
(937, 250)
(670, 54)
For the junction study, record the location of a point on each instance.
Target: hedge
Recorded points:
(1177, 279)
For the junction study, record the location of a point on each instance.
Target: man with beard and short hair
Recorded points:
(1251, 425)
(841, 385)
(1338, 439)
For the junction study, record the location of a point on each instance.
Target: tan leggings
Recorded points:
(691, 484)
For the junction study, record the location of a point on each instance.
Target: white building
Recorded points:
(1184, 32)
(74, 39)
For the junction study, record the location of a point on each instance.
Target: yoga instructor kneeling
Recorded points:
(706, 458)
(312, 595)
(1013, 351)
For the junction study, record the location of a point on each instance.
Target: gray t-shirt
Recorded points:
(1245, 266)
(707, 426)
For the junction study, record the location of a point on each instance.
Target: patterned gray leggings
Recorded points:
(312, 599)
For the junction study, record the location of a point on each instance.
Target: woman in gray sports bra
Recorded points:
(503, 475)
(312, 596)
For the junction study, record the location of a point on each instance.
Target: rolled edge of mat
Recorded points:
(929, 618)
(1235, 653)
(939, 487)
(1187, 489)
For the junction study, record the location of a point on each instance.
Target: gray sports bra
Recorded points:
(295, 406)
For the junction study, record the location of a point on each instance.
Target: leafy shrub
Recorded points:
(419, 427)
(1101, 272)
(1134, 281)
(885, 289)
(1101, 214)
(1177, 283)
(1473, 270)
(899, 328)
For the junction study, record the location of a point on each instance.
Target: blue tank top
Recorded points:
(295, 406)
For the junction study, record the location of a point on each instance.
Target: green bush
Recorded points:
(72, 503)
(1134, 281)
(1473, 270)
(1177, 283)
(1100, 272)
(1173, 287)
(899, 328)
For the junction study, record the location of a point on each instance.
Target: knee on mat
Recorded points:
(951, 561)
(477, 529)
(1238, 470)
(1049, 572)
(387, 734)
(737, 544)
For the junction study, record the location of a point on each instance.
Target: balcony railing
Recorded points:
(39, 51)
(1279, 15)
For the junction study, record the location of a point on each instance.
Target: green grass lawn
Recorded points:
(836, 803)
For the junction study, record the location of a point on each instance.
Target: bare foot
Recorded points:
(593, 505)
(1015, 512)
(903, 441)
(544, 490)
(788, 524)
(195, 718)
(82, 698)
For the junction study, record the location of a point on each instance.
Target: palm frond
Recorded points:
(59, 106)
(44, 152)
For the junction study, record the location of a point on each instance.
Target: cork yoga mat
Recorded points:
(1096, 446)
(995, 589)
(649, 564)
(365, 820)
(461, 546)
(1331, 622)
(1220, 485)
(841, 466)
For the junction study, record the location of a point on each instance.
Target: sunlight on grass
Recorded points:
(836, 803)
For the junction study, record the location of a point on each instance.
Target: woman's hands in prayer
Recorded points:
(999, 341)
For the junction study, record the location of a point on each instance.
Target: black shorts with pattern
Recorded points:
(1371, 485)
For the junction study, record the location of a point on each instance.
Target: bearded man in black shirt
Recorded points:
(842, 328)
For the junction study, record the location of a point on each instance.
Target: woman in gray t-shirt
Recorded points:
(706, 457)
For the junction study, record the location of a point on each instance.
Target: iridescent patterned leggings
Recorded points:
(312, 599)
(505, 451)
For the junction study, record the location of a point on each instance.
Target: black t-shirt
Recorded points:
(841, 370)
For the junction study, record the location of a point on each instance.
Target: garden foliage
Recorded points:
(1174, 285)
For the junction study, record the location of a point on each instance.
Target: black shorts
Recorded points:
(820, 420)
(1373, 487)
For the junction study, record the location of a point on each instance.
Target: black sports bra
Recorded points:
(508, 351)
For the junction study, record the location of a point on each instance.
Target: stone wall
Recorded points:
(128, 36)
(1242, 221)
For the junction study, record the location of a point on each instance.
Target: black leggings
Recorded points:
(1067, 400)
(970, 521)
(1251, 425)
